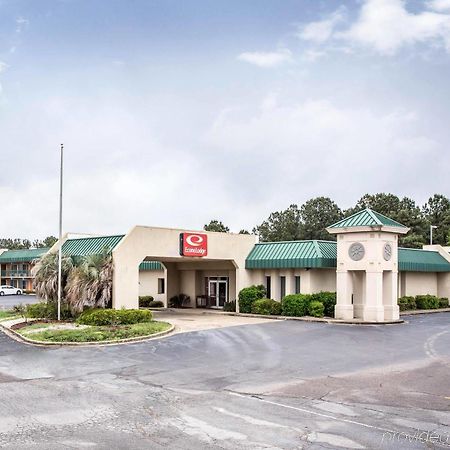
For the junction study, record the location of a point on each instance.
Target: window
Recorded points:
(268, 287)
(161, 285)
(297, 284)
(282, 287)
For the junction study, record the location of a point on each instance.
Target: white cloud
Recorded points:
(312, 55)
(297, 151)
(386, 26)
(439, 5)
(117, 172)
(254, 159)
(267, 59)
(21, 23)
(322, 30)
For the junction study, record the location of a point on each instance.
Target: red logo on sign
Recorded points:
(193, 244)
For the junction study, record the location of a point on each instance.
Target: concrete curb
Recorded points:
(24, 340)
(316, 319)
(302, 319)
(320, 319)
(415, 312)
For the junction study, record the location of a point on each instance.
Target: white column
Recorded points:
(290, 282)
(359, 293)
(390, 288)
(344, 290)
(125, 285)
(275, 285)
(373, 310)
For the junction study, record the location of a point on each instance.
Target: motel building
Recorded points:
(16, 267)
(364, 266)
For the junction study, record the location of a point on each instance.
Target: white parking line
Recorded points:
(314, 413)
(429, 344)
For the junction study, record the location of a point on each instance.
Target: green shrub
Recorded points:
(266, 306)
(443, 302)
(178, 301)
(295, 305)
(48, 310)
(145, 300)
(28, 291)
(156, 304)
(248, 295)
(20, 310)
(407, 303)
(230, 306)
(427, 302)
(328, 299)
(39, 311)
(316, 309)
(102, 317)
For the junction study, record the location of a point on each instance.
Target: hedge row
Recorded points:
(100, 317)
(147, 301)
(44, 310)
(266, 306)
(248, 296)
(315, 305)
(253, 300)
(409, 303)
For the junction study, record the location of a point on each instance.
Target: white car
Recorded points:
(10, 290)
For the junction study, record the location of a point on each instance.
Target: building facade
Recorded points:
(364, 266)
(16, 267)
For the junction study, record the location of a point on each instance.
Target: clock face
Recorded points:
(387, 251)
(356, 251)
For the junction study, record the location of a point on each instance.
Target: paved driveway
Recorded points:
(200, 319)
(8, 301)
(278, 384)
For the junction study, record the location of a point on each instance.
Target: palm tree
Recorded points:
(45, 274)
(90, 282)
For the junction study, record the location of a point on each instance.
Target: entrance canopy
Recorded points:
(186, 256)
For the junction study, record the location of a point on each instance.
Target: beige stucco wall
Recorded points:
(443, 284)
(311, 281)
(420, 283)
(148, 283)
(322, 280)
(162, 244)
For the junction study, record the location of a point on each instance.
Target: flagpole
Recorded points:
(60, 230)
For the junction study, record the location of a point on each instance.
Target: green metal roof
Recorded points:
(366, 218)
(416, 260)
(292, 255)
(90, 245)
(96, 245)
(150, 265)
(322, 254)
(27, 255)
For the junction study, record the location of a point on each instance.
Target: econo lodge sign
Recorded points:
(193, 244)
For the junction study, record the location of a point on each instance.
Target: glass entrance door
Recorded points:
(217, 291)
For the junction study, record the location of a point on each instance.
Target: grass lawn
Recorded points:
(7, 314)
(94, 333)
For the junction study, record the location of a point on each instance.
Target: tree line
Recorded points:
(309, 221)
(24, 244)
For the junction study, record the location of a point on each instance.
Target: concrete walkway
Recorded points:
(186, 320)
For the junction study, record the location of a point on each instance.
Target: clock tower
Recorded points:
(367, 267)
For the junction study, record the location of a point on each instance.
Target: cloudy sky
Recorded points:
(174, 112)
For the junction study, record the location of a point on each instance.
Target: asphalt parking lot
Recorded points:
(8, 301)
(277, 385)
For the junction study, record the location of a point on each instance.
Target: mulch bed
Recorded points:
(18, 326)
